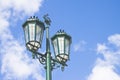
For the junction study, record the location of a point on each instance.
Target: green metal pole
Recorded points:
(48, 56)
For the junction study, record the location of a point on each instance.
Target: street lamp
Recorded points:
(61, 44)
(33, 29)
(33, 32)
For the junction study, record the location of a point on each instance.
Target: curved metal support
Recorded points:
(54, 63)
(41, 59)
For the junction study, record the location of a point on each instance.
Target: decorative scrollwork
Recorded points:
(42, 60)
(54, 63)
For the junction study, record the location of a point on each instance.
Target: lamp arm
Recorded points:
(41, 57)
(62, 63)
(54, 63)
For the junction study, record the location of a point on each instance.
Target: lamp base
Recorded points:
(33, 45)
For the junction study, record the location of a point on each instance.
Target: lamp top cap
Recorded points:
(32, 18)
(61, 32)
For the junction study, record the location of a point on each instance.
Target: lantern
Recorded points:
(33, 31)
(61, 44)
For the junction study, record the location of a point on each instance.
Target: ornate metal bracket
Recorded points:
(54, 63)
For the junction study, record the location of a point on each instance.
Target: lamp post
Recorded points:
(33, 32)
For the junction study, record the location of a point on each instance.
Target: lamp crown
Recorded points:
(61, 32)
(32, 18)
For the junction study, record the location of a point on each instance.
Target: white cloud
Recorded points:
(80, 46)
(115, 40)
(15, 62)
(27, 6)
(101, 48)
(4, 24)
(105, 68)
(103, 73)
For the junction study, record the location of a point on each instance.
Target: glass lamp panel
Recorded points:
(61, 45)
(32, 31)
(26, 33)
(55, 45)
(67, 46)
(41, 35)
(38, 33)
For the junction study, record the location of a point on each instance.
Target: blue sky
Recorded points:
(93, 24)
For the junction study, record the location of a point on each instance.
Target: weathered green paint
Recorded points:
(48, 56)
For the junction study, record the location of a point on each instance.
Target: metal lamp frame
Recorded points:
(46, 59)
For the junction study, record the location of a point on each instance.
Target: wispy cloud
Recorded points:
(105, 68)
(15, 63)
(115, 40)
(27, 7)
(80, 46)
